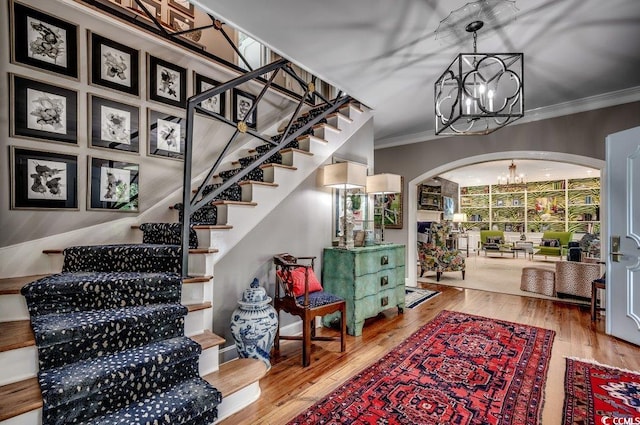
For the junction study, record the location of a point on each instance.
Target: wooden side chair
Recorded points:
(299, 293)
(596, 284)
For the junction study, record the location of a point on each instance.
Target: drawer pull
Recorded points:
(384, 280)
(384, 260)
(384, 301)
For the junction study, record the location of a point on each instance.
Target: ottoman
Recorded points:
(538, 280)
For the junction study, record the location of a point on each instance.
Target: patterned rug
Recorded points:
(595, 394)
(457, 369)
(416, 296)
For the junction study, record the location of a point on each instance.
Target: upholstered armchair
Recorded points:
(435, 256)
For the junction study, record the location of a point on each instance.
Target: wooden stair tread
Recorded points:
(236, 374)
(203, 250)
(16, 334)
(208, 339)
(12, 285)
(19, 397)
(311, 137)
(257, 183)
(297, 150)
(327, 126)
(288, 167)
(196, 279)
(199, 306)
(248, 204)
(212, 227)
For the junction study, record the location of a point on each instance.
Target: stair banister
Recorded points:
(189, 203)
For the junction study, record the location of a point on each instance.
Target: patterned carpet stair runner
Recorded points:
(110, 338)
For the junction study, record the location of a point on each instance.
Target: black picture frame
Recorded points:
(167, 82)
(113, 65)
(113, 125)
(43, 42)
(242, 101)
(43, 111)
(215, 105)
(113, 185)
(167, 135)
(153, 6)
(43, 179)
(183, 6)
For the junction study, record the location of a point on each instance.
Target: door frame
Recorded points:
(412, 188)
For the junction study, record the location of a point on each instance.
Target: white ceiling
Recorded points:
(532, 170)
(385, 54)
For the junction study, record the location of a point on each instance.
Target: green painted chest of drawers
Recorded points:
(370, 279)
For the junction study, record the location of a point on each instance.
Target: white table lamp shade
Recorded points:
(345, 175)
(384, 183)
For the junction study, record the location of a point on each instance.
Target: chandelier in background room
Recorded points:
(479, 92)
(513, 177)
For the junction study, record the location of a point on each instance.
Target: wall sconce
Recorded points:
(382, 184)
(345, 176)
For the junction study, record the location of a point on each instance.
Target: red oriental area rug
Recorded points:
(600, 395)
(457, 369)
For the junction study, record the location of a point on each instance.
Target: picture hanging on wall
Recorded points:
(113, 65)
(167, 82)
(242, 102)
(166, 135)
(113, 125)
(183, 6)
(154, 7)
(43, 180)
(43, 42)
(113, 185)
(389, 208)
(216, 104)
(43, 111)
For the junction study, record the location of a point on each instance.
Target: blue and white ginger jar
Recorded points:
(254, 324)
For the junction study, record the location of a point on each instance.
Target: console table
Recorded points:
(370, 279)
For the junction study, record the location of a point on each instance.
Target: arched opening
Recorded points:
(412, 202)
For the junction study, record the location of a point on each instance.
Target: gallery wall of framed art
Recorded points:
(100, 90)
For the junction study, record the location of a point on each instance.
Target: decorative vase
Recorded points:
(254, 324)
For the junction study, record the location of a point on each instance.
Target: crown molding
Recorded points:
(566, 108)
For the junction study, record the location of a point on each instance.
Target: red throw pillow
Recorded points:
(298, 281)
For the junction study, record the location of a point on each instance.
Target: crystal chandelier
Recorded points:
(513, 177)
(479, 92)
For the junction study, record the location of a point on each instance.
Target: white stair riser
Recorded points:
(200, 264)
(24, 364)
(208, 238)
(330, 134)
(350, 111)
(237, 401)
(194, 322)
(13, 307)
(257, 193)
(339, 121)
(32, 417)
(192, 293)
(209, 362)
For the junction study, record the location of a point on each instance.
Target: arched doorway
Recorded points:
(412, 202)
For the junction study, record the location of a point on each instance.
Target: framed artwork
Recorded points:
(448, 207)
(389, 208)
(43, 42)
(183, 6)
(242, 102)
(167, 82)
(214, 104)
(167, 135)
(153, 6)
(113, 185)
(43, 180)
(180, 22)
(113, 65)
(113, 125)
(43, 111)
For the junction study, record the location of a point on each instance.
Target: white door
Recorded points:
(623, 244)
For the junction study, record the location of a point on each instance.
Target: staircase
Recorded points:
(215, 230)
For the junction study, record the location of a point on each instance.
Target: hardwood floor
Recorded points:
(288, 389)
